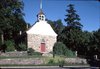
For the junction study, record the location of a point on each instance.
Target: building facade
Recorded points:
(41, 37)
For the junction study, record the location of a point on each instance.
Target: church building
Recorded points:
(41, 37)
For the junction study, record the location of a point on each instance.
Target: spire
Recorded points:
(40, 4)
(41, 12)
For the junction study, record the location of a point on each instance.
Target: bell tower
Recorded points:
(41, 15)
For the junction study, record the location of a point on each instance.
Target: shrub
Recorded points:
(10, 45)
(70, 53)
(60, 49)
(32, 52)
(61, 63)
(51, 61)
(22, 47)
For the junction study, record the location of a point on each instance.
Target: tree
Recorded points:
(11, 17)
(72, 33)
(97, 42)
(85, 45)
(72, 18)
(57, 27)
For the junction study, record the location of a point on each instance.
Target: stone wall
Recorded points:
(22, 61)
(14, 54)
(38, 61)
(76, 60)
(34, 41)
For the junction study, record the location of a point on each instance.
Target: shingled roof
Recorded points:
(41, 12)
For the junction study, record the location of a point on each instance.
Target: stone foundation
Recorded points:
(14, 54)
(22, 61)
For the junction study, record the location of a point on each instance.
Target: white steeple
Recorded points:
(40, 4)
(41, 16)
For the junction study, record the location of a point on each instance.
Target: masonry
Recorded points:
(41, 37)
(34, 42)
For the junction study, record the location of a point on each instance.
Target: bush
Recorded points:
(70, 53)
(60, 49)
(32, 52)
(51, 61)
(10, 45)
(61, 63)
(22, 47)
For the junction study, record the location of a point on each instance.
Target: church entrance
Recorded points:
(42, 47)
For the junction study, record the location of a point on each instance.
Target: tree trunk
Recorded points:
(2, 38)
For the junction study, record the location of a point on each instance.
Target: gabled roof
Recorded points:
(42, 28)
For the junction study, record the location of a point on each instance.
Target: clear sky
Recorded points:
(89, 11)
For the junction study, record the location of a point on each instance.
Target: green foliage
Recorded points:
(11, 18)
(51, 61)
(11, 9)
(72, 18)
(97, 38)
(72, 34)
(71, 37)
(61, 63)
(10, 45)
(56, 25)
(37, 53)
(32, 52)
(60, 49)
(22, 47)
(70, 53)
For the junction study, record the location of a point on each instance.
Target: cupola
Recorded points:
(41, 15)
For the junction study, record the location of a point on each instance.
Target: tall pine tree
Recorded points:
(72, 19)
(72, 34)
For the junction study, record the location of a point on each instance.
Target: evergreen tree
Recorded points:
(72, 33)
(72, 18)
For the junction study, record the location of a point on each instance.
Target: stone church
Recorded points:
(41, 37)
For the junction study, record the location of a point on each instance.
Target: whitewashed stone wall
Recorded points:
(34, 42)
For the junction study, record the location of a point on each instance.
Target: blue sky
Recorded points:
(89, 11)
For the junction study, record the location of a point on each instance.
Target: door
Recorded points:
(42, 47)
